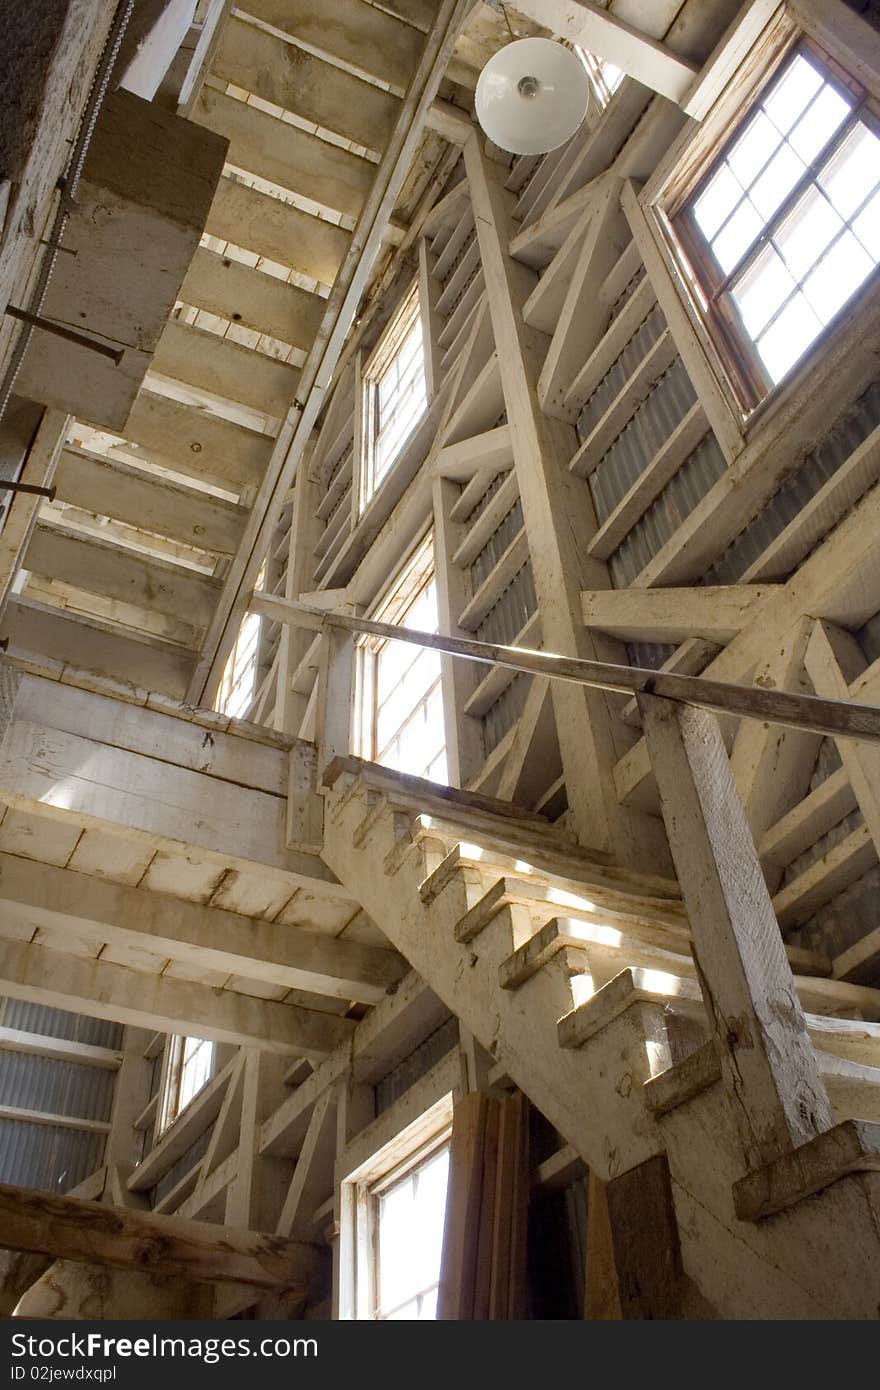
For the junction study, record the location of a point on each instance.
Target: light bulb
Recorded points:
(532, 95)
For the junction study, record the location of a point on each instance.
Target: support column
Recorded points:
(559, 519)
(768, 1064)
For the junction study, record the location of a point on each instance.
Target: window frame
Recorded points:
(413, 578)
(726, 341)
(360, 1190)
(170, 1108)
(407, 317)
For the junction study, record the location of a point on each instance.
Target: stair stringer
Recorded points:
(799, 1263)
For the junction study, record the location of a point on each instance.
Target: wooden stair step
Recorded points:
(631, 986)
(850, 1147)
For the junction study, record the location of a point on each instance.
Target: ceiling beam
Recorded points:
(63, 900)
(100, 989)
(603, 34)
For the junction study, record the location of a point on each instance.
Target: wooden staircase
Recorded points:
(579, 980)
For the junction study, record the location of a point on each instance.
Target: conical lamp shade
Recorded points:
(532, 95)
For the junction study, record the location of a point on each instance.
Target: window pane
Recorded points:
(817, 125)
(777, 181)
(787, 100)
(718, 201)
(789, 337)
(754, 149)
(840, 272)
(804, 235)
(410, 1218)
(867, 227)
(853, 171)
(732, 243)
(761, 291)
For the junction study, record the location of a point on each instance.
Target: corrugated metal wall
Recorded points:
(51, 1157)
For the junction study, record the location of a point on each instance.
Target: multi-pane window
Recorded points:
(400, 701)
(395, 393)
(408, 1215)
(190, 1066)
(604, 76)
(786, 225)
(239, 680)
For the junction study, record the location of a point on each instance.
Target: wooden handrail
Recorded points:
(812, 713)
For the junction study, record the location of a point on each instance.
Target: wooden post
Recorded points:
(335, 693)
(559, 519)
(768, 1064)
(464, 735)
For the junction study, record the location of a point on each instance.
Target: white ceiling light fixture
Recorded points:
(532, 96)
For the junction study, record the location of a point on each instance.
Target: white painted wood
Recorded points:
(63, 900)
(768, 1064)
(101, 990)
(714, 613)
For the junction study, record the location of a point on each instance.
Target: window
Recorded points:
(395, 393)
(392, 1212)
(604, 76)
(190, 1067)
(239, 680)
(400, 701)
(785, 226)
(408, 1215)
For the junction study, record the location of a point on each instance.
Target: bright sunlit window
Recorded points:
(786, 225)
(239, 681)
(408, 1215)
(190, 1067)
(604, 76)
(395, 393)
(400, 700)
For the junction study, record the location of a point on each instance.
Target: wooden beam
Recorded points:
(68, 1229)
(768, 1063)
(716, 613)
(62, 900)
(103, 990)
(626, 46)
(834, 717)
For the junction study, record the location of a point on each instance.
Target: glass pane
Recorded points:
(718, 201)
(867, 227)
(817, 125)
(804, 235)
(789, 337)
(732, 243)
(411, 1215)
(787, 100)
(764, 287)
(754, 149)
(776, 182)
(840, 272)
(853, 171)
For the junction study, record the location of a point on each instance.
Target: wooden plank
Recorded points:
(767, 1060)
(101, 990)
(111, 487)
(277, 230)
(68, 1229)
(253, 299)
(365, 37)
(92, 645)
(225, 368)
(621, 410)
(59, 1049)
(64, 900)
(715, 613)
(100, 567)
(196, 443)
(286, 156)
(297, 81)
(821, 881)
(313, 1174)
(834, 660)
